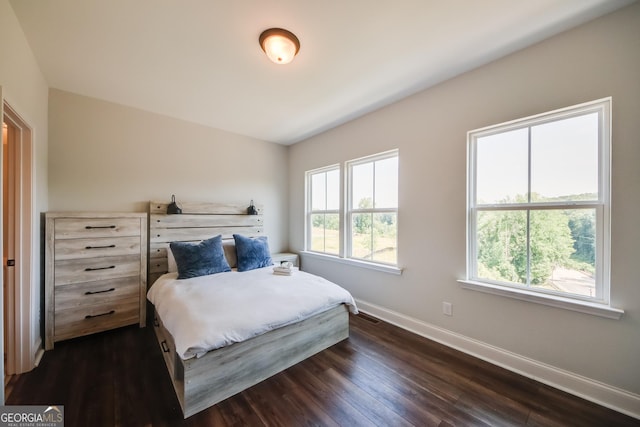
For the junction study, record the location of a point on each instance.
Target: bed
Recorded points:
(229, 359)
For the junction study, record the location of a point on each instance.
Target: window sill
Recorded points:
(587, 307)
(363, 264)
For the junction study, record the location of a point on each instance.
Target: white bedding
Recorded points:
(209, 312)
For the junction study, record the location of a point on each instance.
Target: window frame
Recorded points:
(310, 212)
(350, 210)
(600, 303)
(345, 185)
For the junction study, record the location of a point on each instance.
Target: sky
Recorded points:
(377, 181)
(564, 160)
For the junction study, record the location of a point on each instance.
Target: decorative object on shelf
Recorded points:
(251, 210)
(280, 45)
(173, 208)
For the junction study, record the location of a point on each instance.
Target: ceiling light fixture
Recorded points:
(279, 44)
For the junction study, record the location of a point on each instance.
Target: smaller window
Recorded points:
(323, 213)
(372, 208)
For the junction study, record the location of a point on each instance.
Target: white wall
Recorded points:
(24, 88)
(598, 59)
(107, 157)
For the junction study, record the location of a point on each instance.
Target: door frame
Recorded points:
(25, 333)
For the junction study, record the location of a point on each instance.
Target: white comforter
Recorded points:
(209, 312)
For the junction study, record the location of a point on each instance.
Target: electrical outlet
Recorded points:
(447, 308)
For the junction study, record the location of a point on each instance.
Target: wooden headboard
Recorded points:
(198, 221)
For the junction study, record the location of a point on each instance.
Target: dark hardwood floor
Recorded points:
(380, 376)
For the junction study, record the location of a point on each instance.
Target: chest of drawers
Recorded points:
(95, 273)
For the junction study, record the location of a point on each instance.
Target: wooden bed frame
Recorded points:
(202, 382)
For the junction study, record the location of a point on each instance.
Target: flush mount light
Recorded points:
(279, 44)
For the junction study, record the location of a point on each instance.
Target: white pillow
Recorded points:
(172, 267)
(229, 247)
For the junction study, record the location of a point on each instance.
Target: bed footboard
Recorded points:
(203, 382)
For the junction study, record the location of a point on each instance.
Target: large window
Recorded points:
(361, 223)
(539, 203)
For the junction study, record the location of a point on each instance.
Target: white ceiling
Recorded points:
(199, 60)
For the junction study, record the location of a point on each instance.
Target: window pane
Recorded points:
(333, 189)
(563, 250)
(325, 233)
(317, 232)
(385, 242)
(502, 246)
(502, 167)
(386, 183)
(318, 192)
(374, 237)
(332, 234)
(361, 244)
(551, 244)
(362, 186)
(564, 159)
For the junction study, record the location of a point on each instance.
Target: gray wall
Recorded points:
(596, 60)
(107, 157)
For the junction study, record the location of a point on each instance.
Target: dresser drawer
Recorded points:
(92, 269)
(96, 293)
(97, 247)
(86, 320)
(78, 228)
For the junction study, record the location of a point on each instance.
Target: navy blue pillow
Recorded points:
(252, 253)
(199, 259)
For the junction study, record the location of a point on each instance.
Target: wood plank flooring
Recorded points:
(380, 376)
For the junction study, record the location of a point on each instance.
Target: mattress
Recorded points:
(209, 312)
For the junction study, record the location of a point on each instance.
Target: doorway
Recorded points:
(19, 305)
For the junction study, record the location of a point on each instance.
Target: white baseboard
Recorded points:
(608, 396)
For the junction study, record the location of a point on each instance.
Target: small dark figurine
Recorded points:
(251, 210)
(173, 207)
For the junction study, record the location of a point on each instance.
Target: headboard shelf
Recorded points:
(199, 221)
(203, 208)
(203, 220)
(166, 235)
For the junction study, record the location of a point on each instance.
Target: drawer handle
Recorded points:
(99, 292)
(164, 346)
(99, 268)
(100, 247)
(92, 227)
(91, 316)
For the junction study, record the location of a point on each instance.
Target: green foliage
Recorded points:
(327, 221)
(501, 236)
(373, 233)
(362, 222)
(502, 244)
(551, 243)
(582, 224)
